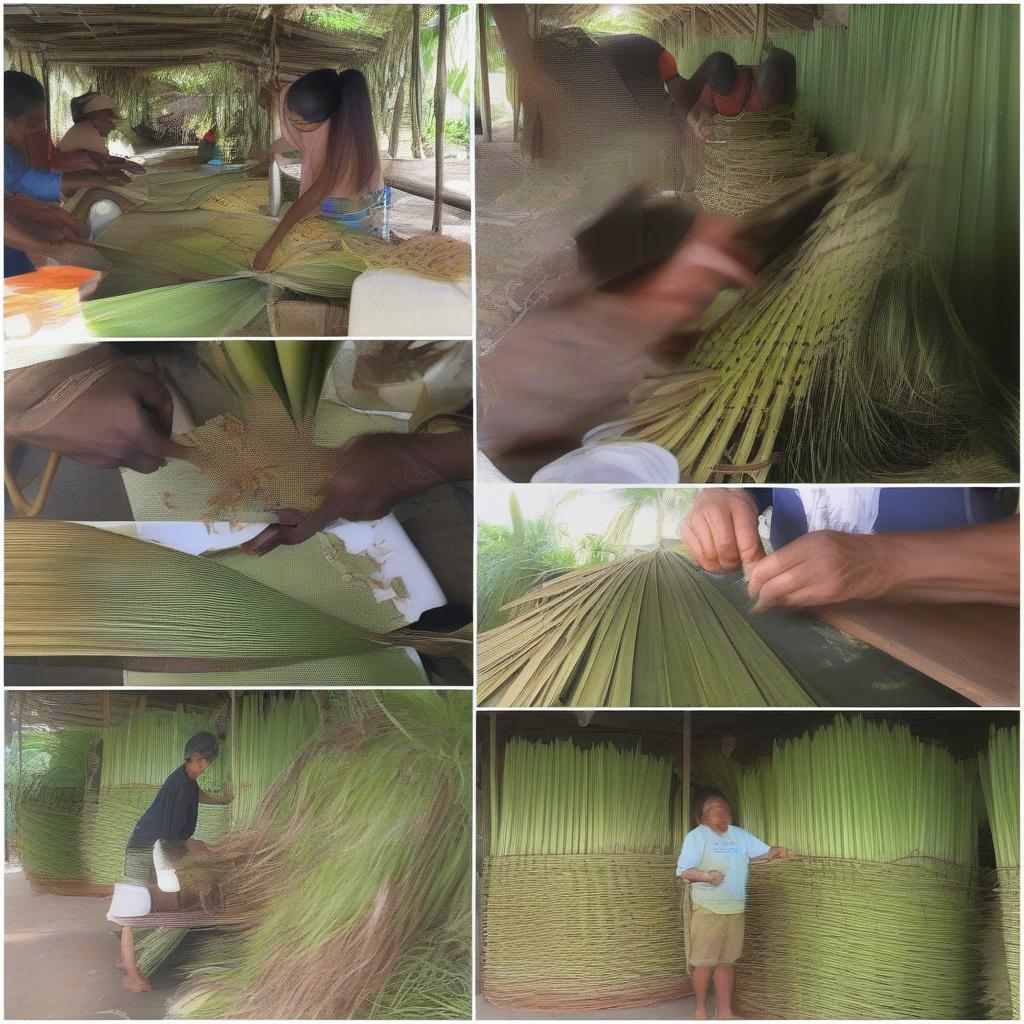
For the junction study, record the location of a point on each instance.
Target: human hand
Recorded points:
(715, 878)
(778, 853)
(720, 530)
(374, 473)
(824, 567)
(124, 419)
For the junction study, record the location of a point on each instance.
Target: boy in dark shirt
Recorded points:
(171, 821)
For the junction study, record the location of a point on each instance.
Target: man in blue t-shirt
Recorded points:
(714, 858)
(936, 545)
(170, 820)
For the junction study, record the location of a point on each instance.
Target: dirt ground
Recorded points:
(60, 961)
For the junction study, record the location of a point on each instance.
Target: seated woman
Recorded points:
(208, 152)
(326, 116)
(95, 116)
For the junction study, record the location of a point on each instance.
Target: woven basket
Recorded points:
(569, 934)
(841, 939)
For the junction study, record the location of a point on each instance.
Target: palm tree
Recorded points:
(513, 560)
(668, 503)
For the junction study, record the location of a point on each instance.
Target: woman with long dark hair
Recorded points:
(327, 117)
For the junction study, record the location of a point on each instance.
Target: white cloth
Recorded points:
(396, 304)
(626, 462)
(166, 876)
(846, 509)
(129, 900)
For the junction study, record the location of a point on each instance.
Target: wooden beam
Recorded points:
(485, 85)
(687, 754)
(440, 101)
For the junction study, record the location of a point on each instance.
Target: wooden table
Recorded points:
(971, 648)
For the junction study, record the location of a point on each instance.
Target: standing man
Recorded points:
(715, 858)
(170, 821)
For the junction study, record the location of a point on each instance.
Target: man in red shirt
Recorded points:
(732, 89)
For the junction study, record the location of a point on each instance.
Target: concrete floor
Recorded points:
(676, 1009)
(60, 961)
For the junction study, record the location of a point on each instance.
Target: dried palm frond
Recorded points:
(753, 160)
(359, 853)
(999, 767)
(119, 596)
(646, 630)
(877, 916)
(580, 902)
(845, 362)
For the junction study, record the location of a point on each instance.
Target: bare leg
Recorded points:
(725, 978)
(133, 981)
(701, 983)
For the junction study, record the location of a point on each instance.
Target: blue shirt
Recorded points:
(899, 509)
(731, 853)
(22, 180)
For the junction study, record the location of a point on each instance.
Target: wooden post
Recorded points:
(493, 773)
(232, 737)
(485, 85)
(440, 101)
(105, 708)
(274, 178)
(760, 29)
(416, 87)
(686, 771)
(394, 136)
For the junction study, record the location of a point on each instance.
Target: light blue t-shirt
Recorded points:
(706, 849)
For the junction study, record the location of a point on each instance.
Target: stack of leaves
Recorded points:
(878, 916)
(845, 362)
(754, 160)
(356, 864)
(48, 787)
(119, 596)
(581, 909)
(214, 251)
(999, 767)
(267, 731)
(648, 630)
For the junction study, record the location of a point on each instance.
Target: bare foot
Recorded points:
(701, 1013)
(136, 983)
(727, 1016)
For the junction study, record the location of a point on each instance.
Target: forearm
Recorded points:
(297, 212)
(694, 875)
(973, 564)
(443, 458)
(209, 798)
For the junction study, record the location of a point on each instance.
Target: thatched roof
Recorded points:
(260, 36)
(696, 20)
(62, 708)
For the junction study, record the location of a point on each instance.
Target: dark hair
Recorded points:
(721, 72)
(352, 139)
(315, 96)
(204, 744)
(78, 106)
(21, 91)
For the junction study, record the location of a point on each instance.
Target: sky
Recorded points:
(589, 512)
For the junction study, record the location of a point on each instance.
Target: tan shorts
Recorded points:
(715, 938)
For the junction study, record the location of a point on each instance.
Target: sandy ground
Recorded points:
(60, 961)
(676, 1009)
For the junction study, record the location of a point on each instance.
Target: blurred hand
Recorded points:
(720, 530)
(261, 260)
(824, 567)
(124, 419)
(715, 878)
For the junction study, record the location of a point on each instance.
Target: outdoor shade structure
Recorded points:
(175, 71)
(877, 913)
(342, 865)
